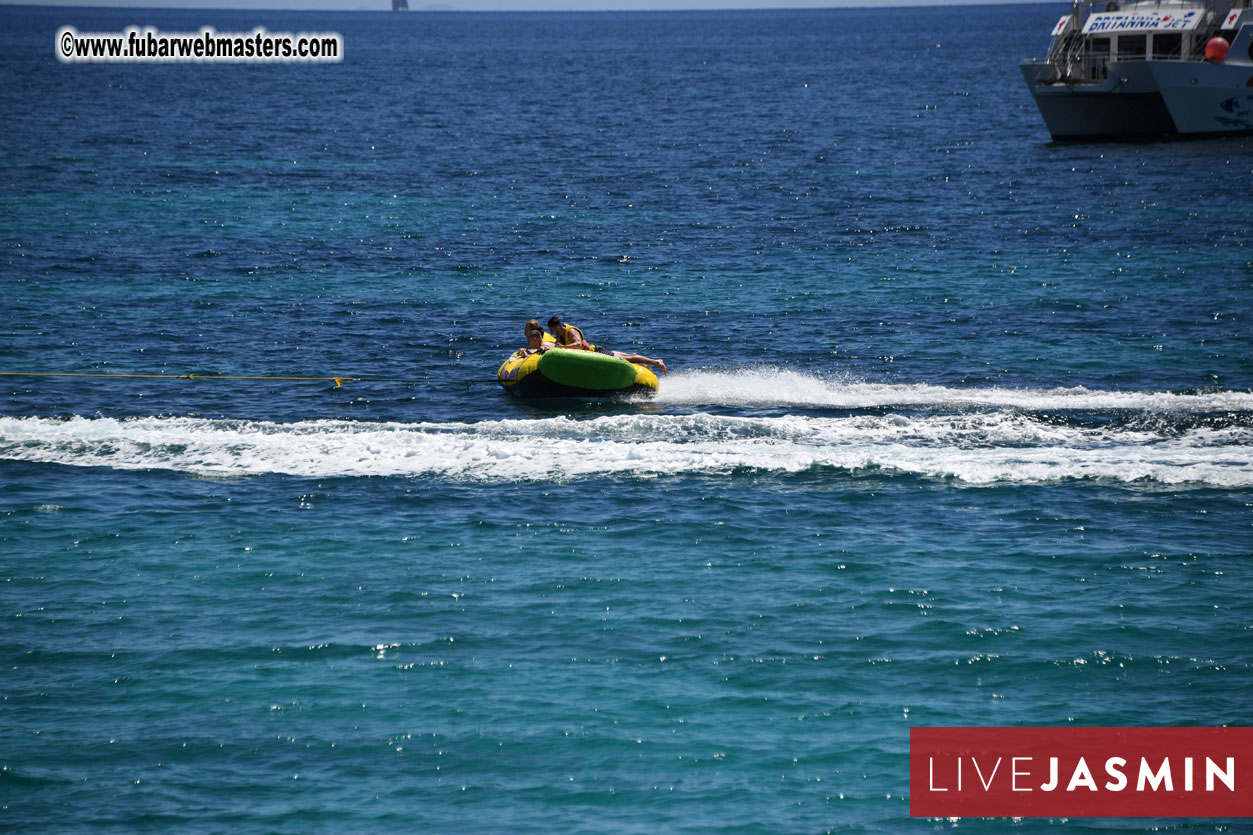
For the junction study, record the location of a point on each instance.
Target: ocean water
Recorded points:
(958, 428)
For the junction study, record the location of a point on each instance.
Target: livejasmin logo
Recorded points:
(1081, 777)
(1076, 772)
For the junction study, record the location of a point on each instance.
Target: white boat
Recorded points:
(1141, 70)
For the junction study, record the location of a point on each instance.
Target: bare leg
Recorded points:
(640, 359)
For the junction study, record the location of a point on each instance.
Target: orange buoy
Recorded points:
(1216, 50)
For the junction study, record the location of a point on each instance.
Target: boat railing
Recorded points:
(1218, 9)
(1076, 63)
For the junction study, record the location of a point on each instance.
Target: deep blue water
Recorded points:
(958, 429)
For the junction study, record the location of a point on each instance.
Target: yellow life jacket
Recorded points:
(570, 341)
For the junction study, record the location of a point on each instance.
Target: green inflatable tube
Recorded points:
(581, 369)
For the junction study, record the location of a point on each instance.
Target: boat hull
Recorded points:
(564, 373)
(1206, 98)
(1127, 104)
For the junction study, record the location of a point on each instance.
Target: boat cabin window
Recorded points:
(1167, 46)
(1099, 56)
(1132, 47)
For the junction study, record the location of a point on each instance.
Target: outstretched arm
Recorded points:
(577, 341)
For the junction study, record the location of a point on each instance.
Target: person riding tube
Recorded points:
(568, 336)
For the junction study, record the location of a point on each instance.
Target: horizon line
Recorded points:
(514, 6)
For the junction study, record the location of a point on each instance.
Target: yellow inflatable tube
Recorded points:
(559, 372)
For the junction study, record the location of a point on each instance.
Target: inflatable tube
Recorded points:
(564, 373)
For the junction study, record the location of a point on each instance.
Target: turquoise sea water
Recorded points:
(958, 429)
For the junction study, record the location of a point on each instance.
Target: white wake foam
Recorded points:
(976, 448)
(768, 386)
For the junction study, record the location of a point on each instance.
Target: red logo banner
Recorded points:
(1081, 772)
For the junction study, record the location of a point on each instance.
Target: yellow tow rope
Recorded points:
(336, 380)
